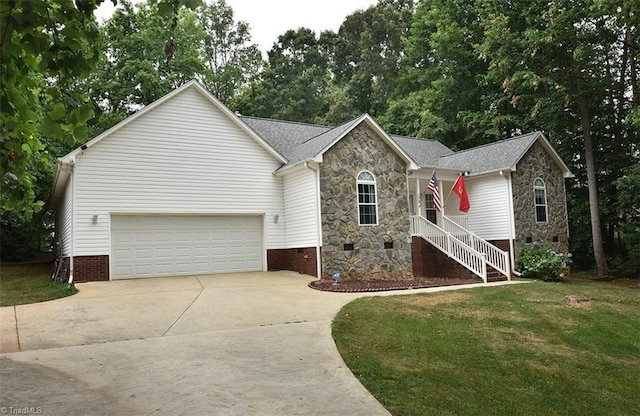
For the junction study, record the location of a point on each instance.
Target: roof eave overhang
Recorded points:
(288, 168)
(60, 179)
(500, 171)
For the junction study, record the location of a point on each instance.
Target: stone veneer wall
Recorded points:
(537, 163)
(362, 149)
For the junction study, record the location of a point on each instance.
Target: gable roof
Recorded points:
(301, 142)
(500, 155)
(191, 84)
(293, 143)
(63, 171)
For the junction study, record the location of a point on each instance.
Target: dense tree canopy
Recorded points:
(138, 66)
(45, 45)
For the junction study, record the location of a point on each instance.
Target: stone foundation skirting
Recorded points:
(301, 260)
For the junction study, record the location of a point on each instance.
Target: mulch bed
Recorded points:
(379, 285)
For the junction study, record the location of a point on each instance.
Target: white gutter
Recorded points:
(318, 220)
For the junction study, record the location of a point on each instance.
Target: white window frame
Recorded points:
(365, 181)
(430, 211)
(540, 186)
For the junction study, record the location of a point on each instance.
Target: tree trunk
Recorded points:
(596, 231)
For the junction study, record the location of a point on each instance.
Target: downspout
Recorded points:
(318, 220)
(73, 220)
(512, 225)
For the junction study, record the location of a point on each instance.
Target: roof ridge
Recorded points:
(331, 129)
(493, 143)
(286, 121)
(415, 138)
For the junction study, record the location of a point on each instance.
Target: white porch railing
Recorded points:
(467, 256)
(461, 220)
(496, 258)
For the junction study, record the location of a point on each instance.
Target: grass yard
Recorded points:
(29, 283)
(509, 350)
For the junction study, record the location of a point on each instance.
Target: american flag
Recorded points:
(433, 187)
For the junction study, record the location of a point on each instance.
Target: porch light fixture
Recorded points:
(94, 219)
(276, 218)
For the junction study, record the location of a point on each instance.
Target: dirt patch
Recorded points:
(379, 285)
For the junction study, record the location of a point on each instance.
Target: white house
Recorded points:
(186, 187)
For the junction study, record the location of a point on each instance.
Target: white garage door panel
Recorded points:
(148, 246)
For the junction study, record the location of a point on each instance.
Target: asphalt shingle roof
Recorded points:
(300, 141)
(424, 152)
(284, 136)
(491, 157)
(311, 147)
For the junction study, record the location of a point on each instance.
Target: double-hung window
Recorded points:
(367, 199)
(430, 208)
(540, 200)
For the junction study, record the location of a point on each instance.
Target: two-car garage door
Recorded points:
(149, 246)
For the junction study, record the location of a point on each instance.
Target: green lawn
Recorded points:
(29, 283)
(510, 350)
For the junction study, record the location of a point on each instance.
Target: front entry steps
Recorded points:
(460, 248)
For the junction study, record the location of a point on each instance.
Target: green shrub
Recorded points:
(537, 261)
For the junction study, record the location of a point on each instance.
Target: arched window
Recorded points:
(540, 200)
(367, 199)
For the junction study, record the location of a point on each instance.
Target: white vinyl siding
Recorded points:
(63, 225)
(300, 209)
(185, 156)
(489, 216)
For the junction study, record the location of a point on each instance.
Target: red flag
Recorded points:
(461, 190)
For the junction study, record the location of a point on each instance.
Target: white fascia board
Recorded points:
(566, 172)
(425, 172)
(60, 179)
(238, 122)
(503, 171)
(411, 164)
(289, 169)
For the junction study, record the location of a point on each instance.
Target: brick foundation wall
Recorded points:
(428, 261)
(502, 245)
(301, 260)
(90, 268)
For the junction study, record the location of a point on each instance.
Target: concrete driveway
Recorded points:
(235, 344)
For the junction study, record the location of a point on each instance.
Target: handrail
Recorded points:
(461, 220)
(467, 256)
(498, 259)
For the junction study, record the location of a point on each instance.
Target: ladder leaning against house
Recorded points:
(463, 246)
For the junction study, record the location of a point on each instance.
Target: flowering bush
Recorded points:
(537, 261)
